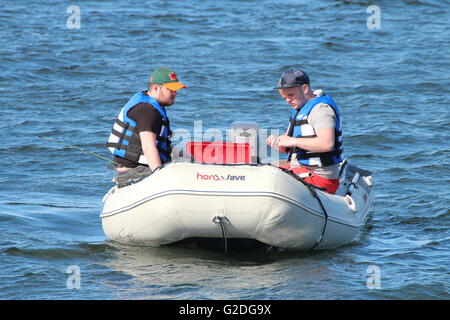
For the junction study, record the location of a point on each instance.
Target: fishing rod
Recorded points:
(78, 148)
(133, 170)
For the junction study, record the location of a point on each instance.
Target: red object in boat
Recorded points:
(219, 152)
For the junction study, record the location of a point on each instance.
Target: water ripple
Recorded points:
(69, 85)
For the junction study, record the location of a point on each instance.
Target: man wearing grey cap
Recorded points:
(314, 137)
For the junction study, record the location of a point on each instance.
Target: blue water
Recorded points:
(392, 85)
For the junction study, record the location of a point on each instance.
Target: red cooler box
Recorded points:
(219, 152)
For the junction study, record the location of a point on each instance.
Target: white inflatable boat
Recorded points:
(257, 202)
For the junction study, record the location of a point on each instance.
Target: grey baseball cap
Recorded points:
(292, 78)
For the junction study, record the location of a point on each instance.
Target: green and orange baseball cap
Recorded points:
(167, 78)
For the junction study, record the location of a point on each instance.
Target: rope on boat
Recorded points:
(324, 212)
(312, 190)
(223, 221)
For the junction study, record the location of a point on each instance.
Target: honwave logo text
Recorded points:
(216, 177)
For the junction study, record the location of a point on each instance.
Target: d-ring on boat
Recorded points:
(239, 200)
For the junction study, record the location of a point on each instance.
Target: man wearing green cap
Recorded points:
(140, 136)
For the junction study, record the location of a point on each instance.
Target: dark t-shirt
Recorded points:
(147, 119)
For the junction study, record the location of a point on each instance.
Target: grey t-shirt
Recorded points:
(322, 116)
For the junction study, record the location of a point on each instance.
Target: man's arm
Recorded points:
(323, 142)
(323, 119)
(148, 142)
(272, 141)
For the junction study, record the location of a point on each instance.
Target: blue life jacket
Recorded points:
(124, 140)
(300, 128)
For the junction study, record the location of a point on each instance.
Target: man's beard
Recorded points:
(166, 103)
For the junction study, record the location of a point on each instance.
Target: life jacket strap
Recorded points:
(298, 122)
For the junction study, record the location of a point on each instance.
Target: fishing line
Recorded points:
(78, 148)
(139, 176)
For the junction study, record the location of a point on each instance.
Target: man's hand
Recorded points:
(323, 142)
(280, 143)
(271, 141)
(284, 141)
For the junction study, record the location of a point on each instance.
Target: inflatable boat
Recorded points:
(236, 200)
